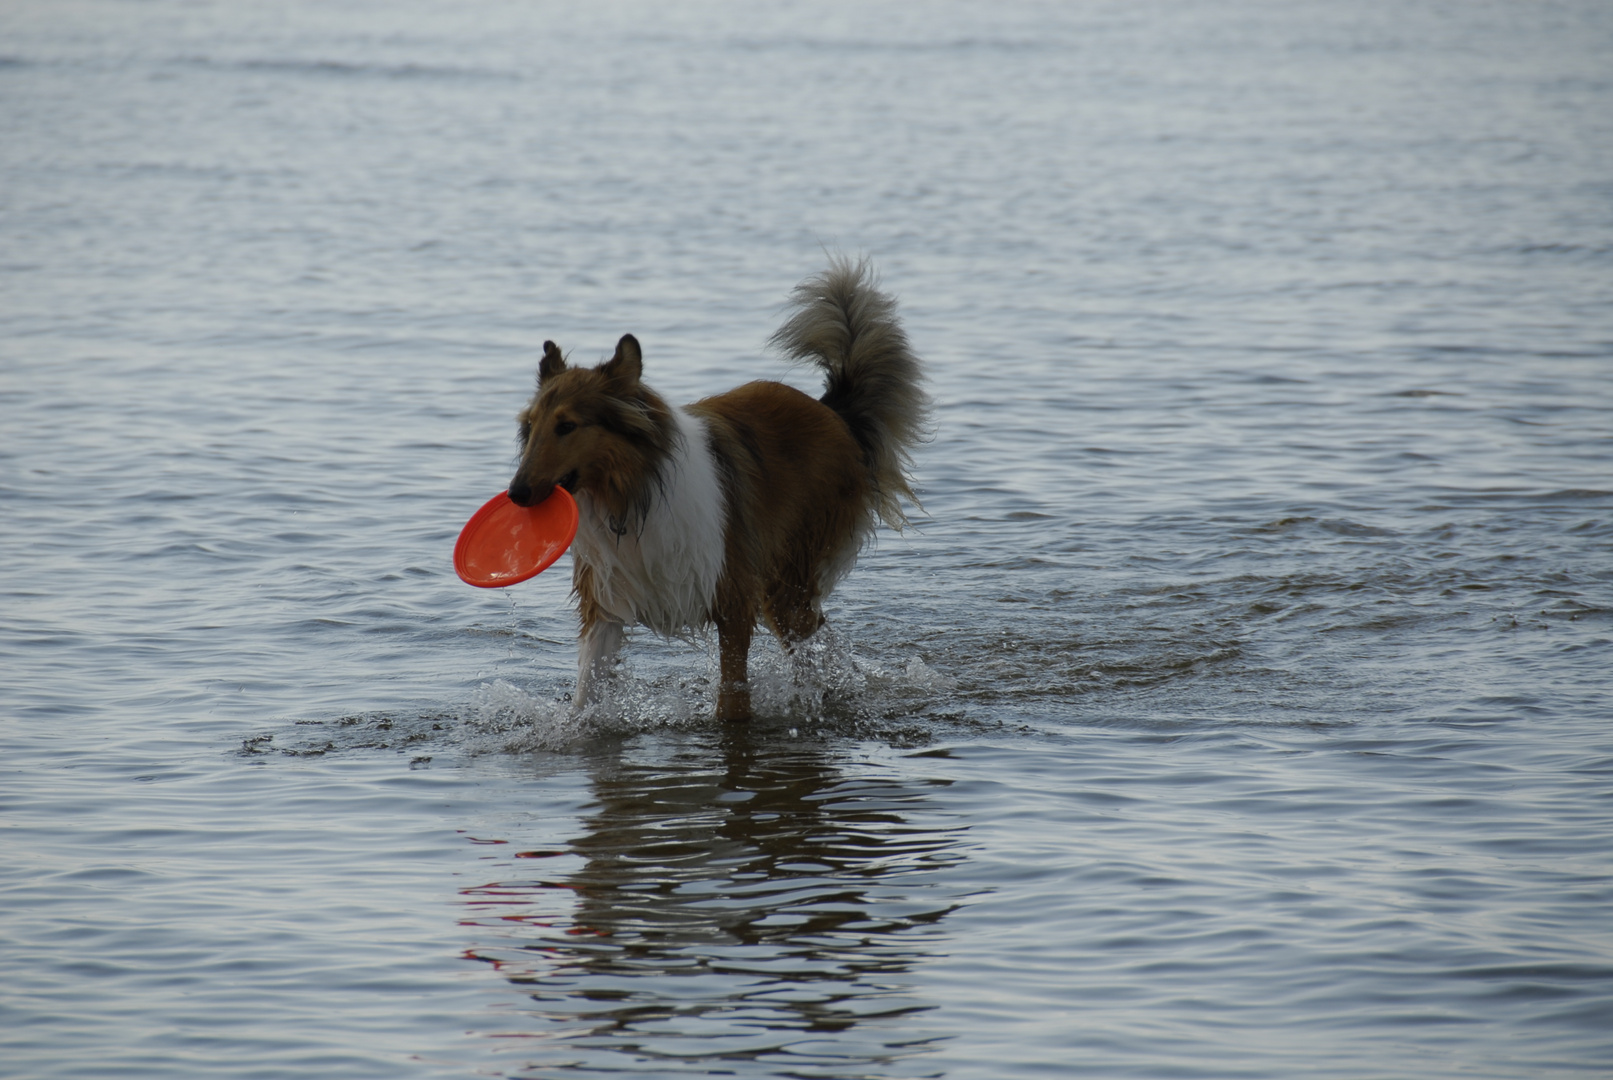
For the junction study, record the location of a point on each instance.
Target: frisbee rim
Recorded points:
(497, 502)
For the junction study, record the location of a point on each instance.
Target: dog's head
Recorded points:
(599, 430)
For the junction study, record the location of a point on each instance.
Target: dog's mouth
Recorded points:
(521, 494)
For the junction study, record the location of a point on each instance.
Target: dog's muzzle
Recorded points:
(525, 494)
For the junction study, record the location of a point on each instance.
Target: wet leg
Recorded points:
(597, 650)
(733, 645)
(792, 615)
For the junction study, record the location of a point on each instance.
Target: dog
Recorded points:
(754, 502)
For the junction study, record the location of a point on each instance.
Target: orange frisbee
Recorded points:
(503, 544)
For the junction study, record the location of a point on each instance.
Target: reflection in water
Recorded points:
(732, 907)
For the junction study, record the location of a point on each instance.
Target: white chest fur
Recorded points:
(662, 572)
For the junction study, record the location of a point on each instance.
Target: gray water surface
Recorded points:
(1238, 708)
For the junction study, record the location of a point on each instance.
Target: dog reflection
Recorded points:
(754, 898)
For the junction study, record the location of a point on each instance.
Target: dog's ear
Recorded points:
(552, 364)
(627, 366)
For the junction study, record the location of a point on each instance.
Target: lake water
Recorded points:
(1240, 707)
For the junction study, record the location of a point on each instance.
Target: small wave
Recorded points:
(1559, 248)
(1346, 527)
(943, 45)
(343, 68)
(356, 731)
(1331, 526)
(1521, 495)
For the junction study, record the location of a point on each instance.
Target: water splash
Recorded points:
(823, 687)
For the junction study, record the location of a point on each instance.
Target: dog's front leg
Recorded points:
(597, 650)
(733, 647)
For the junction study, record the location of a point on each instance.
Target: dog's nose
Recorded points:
(524, 494)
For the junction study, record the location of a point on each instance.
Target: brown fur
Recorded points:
(802, 481)
(795, 486)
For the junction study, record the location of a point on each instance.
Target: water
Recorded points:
(1239, 708)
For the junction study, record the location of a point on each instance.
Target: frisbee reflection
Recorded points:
(728, 906)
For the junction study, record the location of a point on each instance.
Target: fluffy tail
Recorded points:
(848, 327)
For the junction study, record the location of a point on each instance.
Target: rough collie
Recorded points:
(750, 503)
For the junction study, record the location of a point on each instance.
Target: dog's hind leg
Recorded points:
(597, 649)
(792, 614)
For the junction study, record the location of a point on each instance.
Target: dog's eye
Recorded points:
(565, 427)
